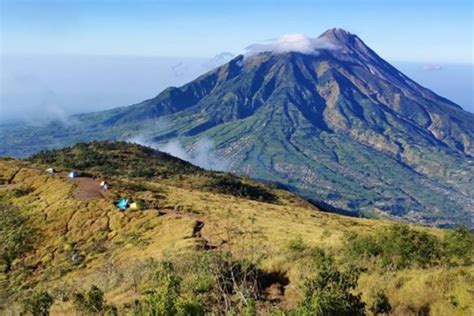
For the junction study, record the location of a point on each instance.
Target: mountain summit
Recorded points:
(338, 35)
(340, 126)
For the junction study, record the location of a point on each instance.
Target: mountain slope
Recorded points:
(82, 240)
(340, 126)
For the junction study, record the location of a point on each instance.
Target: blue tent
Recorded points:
(73, 174)
(122, 204)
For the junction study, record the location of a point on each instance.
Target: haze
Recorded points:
(64, 57)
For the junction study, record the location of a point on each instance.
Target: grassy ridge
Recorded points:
(125, 160)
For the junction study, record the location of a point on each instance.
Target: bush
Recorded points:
(231, 185)
(330, 292)
(38, 304)
(225, 284)
(17, 235)
(297, 246)
(459, 246)
(380, 305)
(92, 302)
(396, 247)
(165, 298)
(403, 247)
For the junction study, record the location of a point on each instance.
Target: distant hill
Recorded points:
(203, 241)
(339, 126)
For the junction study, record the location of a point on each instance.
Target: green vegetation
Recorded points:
(381, 304)
(125, 160)
(459, 246)
(330, 292)
(165, 298)
(93, 302)
(399, 247)
(117, 159)
(197, 250)
(38, 304)
(17, 235)
(228, 184)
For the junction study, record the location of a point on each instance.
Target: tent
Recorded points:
(73, 174)
(136, 205)
(122, 204)
(51, 170)
(104, 185)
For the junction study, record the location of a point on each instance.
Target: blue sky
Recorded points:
(423, 31)
(70, 56)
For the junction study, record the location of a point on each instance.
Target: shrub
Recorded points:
(226, 284)
(38, 304)
(297, 246)
(403, 247)
(330, 292)
(231, 185)
(93, 302)
(380, 305)
(359, 247)
(459, 246)
(165, 297)
(17, 235)
(250, 309)
(396, 247)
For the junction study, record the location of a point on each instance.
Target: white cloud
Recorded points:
(218, 60)
(432, 67)
(292, 43)
(201, 153)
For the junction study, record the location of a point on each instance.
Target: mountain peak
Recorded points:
(350, 46)
(337, 34)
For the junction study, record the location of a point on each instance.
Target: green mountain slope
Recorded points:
(340, 126)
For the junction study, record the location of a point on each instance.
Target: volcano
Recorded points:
(337, 124)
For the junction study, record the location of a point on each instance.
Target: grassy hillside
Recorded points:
(206, 242)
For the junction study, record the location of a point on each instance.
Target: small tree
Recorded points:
(38, 304)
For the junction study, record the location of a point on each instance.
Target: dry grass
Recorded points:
(116, 243)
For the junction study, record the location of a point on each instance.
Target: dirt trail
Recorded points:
(87, 189)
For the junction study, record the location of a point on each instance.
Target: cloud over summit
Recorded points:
(291, 43)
